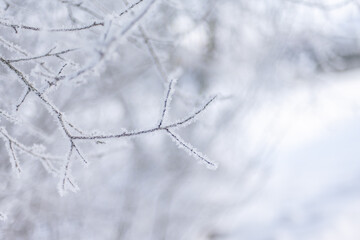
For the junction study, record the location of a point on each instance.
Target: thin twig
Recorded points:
(102, 54)
(153, 54)
(166, 102)
(23, 99)
(191, 149)
(130, 7)
(69, 29)
(47, 103)
(15, 160)
(45, 159)
(66, 168)
(150, 130)
(193, 116)
(49, 54)
(8, 116)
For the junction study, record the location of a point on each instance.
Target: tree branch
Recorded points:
(68, 29)
(48, 54)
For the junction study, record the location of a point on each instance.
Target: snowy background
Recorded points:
(284, 128)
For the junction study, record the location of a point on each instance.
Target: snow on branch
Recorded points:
(46, 160)
(71, 133)
(48, 54)
(16, 27)
(65, 174)
(94, 14)
(8, 116)
(191, 150)
(154, 56)
(167, 101)
(22, 100)
(188, 120)
(178, 124)
(13, 157)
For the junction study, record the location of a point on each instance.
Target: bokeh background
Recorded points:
(284, 128)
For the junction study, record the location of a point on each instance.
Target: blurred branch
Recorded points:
(7, 116)
(326, 7)
(2, 216)
(151, 49)
(94, 14)
(108, 44)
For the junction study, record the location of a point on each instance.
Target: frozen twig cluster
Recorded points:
(53, 77)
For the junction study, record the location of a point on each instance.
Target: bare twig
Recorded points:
(61, 69)
(130, 7)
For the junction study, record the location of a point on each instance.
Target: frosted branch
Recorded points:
(23, 99)
(7, 116)
(146, 131)
(66, 29)
(62, 183)
(45, 159)
(15, 161)
(105, 44)
(48, 54)
(193, 116)
(101, 54)
(167, 101)
(191, 150)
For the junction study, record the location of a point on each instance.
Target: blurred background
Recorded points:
(284, 129)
